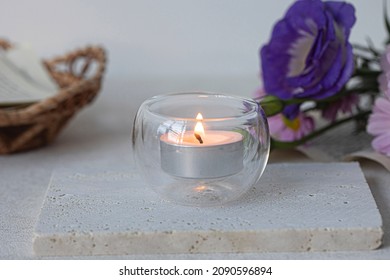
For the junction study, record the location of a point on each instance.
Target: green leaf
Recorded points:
(271, 105)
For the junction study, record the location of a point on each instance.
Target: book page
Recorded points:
(343, 143)
(23, 78)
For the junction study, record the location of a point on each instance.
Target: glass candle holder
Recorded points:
(200, 149)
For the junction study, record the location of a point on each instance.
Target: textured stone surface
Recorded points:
(294, 208)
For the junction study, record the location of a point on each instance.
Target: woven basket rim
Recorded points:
(20, 114)
(79, 75)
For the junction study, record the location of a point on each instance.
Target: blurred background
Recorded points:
(184, 44)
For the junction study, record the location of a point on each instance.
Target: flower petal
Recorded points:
(383, 81)
(382, 143)
(382, 105)
(275, 124)
(300, 11)
(299, 51)
(379, 120)
(343, 13)
(291, 111)
(378, 127)
(346, 73)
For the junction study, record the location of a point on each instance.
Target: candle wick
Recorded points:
(197, 136)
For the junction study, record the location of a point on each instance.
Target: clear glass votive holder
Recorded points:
(200, 149)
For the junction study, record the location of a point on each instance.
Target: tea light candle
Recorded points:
(197, 154)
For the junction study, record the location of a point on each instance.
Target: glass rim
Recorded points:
(254, 106)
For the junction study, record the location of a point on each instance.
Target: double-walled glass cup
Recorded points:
(200, 149)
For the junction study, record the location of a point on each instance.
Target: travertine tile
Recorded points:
(294, 207)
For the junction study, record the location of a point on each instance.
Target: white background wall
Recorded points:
(170, 38)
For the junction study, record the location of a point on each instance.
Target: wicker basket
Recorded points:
(38, 124)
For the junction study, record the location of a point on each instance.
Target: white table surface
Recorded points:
(102, 131)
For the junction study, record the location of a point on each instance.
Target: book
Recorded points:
(23, 77)
(343, 143)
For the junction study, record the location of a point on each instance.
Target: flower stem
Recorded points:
(361, 89)
(366, 72)
(293, 144)
(369, 49)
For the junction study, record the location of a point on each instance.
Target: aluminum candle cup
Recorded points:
(195, 160)
(219, 157)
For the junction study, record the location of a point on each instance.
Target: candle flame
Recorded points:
(200, 188)
(199, 129)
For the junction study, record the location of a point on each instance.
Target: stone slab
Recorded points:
(297, 207)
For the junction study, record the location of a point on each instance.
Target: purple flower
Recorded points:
(345, 104)
(284, 129)
(379, 125)
(379, 120)
(290, 111)
(309, 55)
(384, 78)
